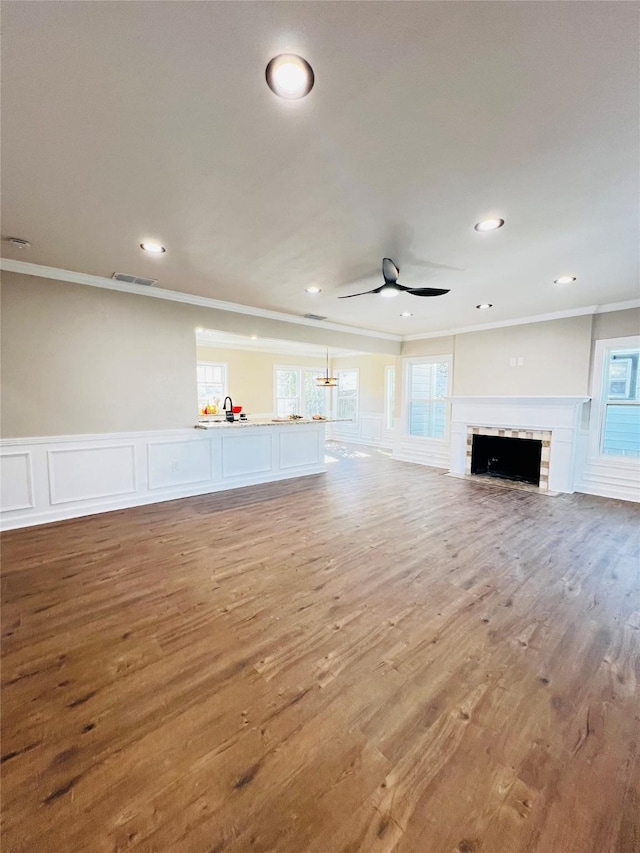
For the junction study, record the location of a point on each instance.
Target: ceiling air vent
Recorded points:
(134, 279)
(313, 317)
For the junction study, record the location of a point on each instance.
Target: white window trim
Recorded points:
(301, 371)
(406, 398)
(224, 364)
(336, 391)
(599, 403)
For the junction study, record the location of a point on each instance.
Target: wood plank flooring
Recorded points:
(378, 659)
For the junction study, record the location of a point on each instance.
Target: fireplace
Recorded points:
(515, 459)
(553, 421)
(519, 455)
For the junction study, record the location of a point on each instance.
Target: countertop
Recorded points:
(258, 422)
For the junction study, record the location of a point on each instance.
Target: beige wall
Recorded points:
(84, 360)
(371, 377)
(429, 346)
(251, 374)
(616, 324)
(555, 353)
(79, 359)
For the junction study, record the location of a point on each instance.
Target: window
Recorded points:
(389, 394)
(347, 394)
(427, 389)
(620, 403)
(212, 385)
(297, 393)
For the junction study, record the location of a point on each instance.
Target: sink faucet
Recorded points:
(228, 413)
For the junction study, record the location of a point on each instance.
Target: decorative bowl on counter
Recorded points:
(236, 410)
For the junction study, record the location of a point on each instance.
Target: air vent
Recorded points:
(134, 279)
(313, 317)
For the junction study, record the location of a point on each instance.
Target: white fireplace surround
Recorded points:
(559, 415)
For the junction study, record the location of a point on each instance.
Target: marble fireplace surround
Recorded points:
(555, 420)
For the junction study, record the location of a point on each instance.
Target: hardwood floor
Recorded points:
(378, 659)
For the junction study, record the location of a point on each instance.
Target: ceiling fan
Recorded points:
(391, 287)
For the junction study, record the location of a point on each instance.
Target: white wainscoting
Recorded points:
(613, 477)
(52, 478)
(16, 480)
(84, 473)
(369, 429)
(424, 451)
(178, 463)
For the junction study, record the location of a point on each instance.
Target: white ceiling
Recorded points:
(131, 120)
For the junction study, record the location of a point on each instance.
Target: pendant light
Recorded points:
(326, 381)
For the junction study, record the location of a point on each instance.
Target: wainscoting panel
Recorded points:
(609, 478)
(84, 473)
(246, 454)
(424, 451)
(179, 463)
(368, 429)
(298, 449)
(16, 481)
(371, 429)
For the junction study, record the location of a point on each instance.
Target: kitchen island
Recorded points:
(254, 451)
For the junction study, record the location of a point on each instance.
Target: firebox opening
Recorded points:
(507, 458)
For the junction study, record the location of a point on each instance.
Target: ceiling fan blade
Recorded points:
(390, 271)
(366, 292)
(426, 291)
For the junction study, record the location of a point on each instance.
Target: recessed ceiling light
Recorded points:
(290, 76)
(388, 291)
(406, 314)
(489, 224)
(199, 331)
(153, 248)
(313, 289)
(254, 337)
(19, 243)
(565, 279)
(484, 305)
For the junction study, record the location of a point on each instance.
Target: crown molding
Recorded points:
(617, 306)
(41, 271)
(523, 321)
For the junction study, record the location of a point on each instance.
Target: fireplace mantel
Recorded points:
(560, 415)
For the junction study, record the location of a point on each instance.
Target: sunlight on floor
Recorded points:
(344, 452)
